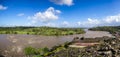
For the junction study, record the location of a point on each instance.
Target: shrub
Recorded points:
(30, 51)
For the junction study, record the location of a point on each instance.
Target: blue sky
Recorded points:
(60, 13)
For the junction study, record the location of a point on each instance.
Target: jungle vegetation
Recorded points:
(47, 31)
(111, 29)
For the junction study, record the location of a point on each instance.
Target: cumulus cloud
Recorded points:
(93, 21)
(46, 16)
(20, 14)
(50, 24)
(3, 7)
(65, 23)
(79, 23)
(63, 2)
(111, 19)
(107, 21)
(89, 22)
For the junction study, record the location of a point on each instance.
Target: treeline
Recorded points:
(47, 31)
(111, 29)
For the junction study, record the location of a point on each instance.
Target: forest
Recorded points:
(46, 31)
(111, 29)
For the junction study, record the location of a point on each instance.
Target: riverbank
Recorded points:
(14, 44)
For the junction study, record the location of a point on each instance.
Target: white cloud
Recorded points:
(29, 24)
(65, 23)
(63, 2)
(79, 23)
(20, 14)
(3, 7)
(50, 24)
(93, 21)
(111, 19)
(106, 21)
(48, 15)
(89, 22)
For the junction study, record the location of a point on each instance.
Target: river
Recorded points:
(13, 45)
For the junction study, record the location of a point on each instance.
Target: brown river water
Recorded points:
(13, 45)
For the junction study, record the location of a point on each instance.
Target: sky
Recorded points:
(60, 13)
